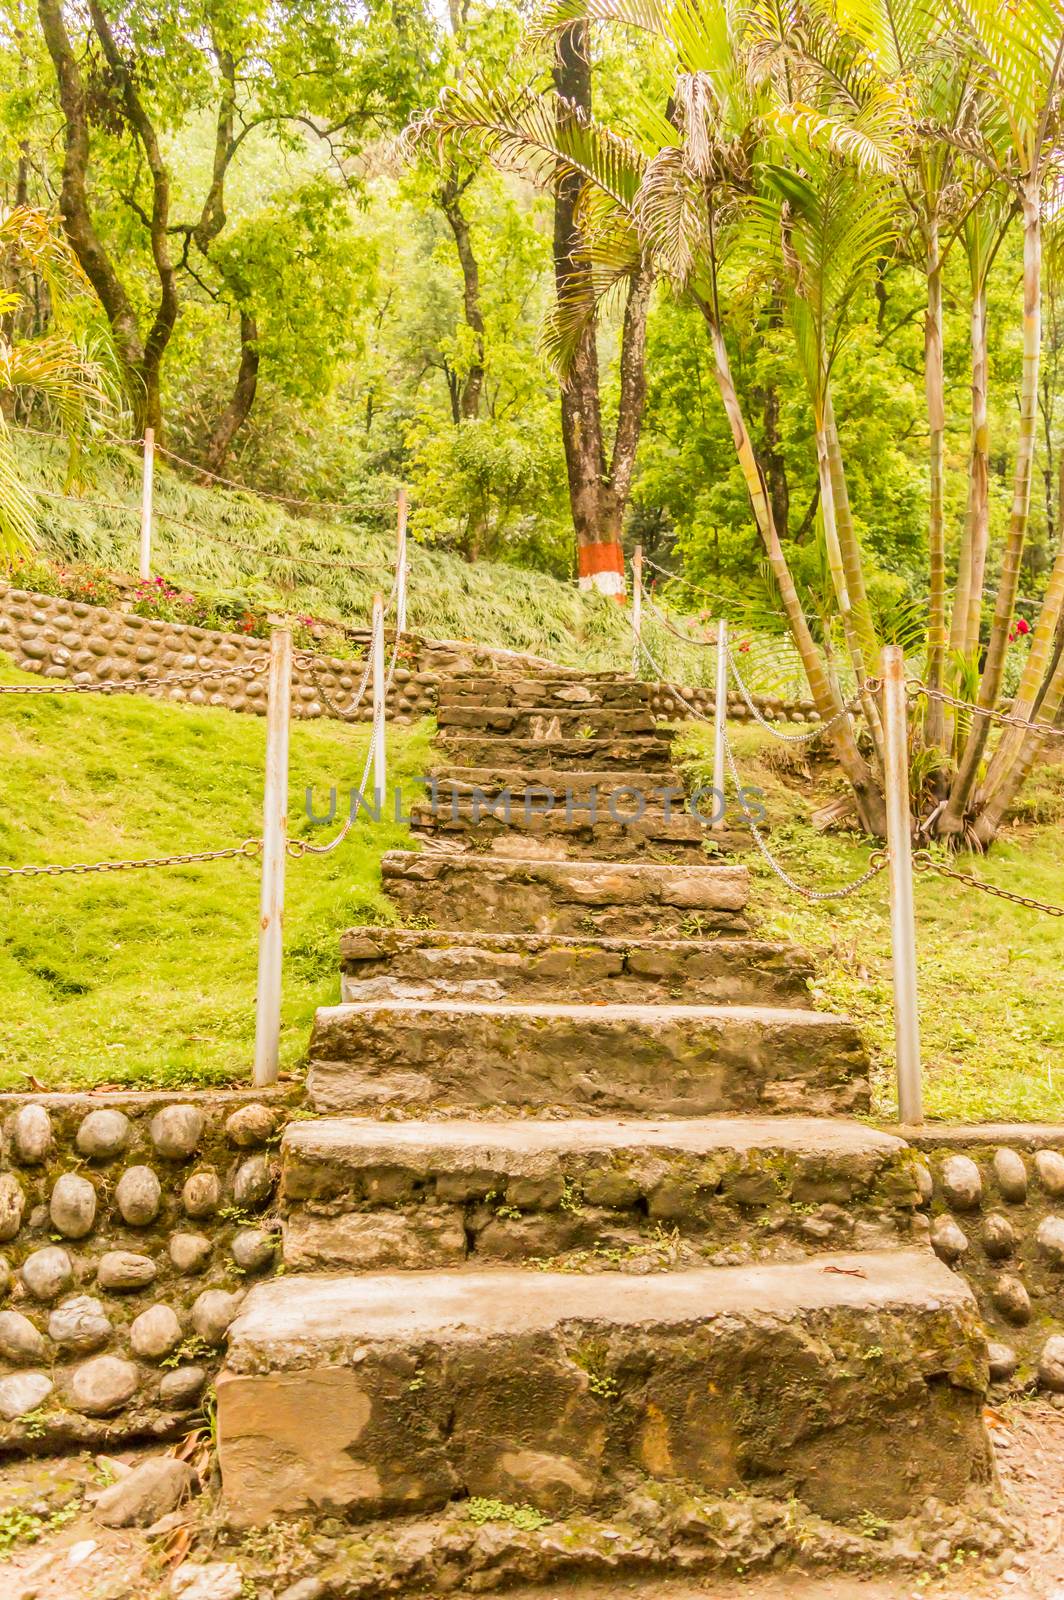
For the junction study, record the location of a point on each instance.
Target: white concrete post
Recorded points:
(400, 569)
(902, 915)
(637, 607)
(147, 488)
(379, 708)
(720, 725)
(274, 849)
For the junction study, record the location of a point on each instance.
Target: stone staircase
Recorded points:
(583, 1229)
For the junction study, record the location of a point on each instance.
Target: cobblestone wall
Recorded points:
(129, 1227)
(67, 639)
(997, 1217)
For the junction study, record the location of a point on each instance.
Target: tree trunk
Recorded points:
(971, 564)
(472, 384)
(870, 805)
(237, 411)
(934, 381)
(952, 820)
(991, 817)
(598, 488)
(76, 212)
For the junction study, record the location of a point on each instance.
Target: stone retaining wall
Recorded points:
(67, 639)
(131, 1223)
(997, 1217)
(129, 1226)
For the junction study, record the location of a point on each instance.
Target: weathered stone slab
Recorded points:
(629, 1194)
(554, 721)
(571, 827)
(599, 689)
(853, 1383)
(423, 963)
(642, 1060)
(514, 895)
(650, 751)
(556, 781)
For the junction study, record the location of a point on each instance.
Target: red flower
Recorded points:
(1023, 626)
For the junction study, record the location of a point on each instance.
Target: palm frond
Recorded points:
(540, 134)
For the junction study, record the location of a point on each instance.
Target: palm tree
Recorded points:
(58, 368)
(1018, 71)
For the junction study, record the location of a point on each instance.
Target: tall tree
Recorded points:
(599, 481)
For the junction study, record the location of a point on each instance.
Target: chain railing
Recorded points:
(894, 692)
(917, 690)
(274, 847)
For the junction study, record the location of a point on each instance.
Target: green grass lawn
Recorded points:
(148, 978)
(991, 975)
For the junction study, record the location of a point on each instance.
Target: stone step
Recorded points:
(548, 722)
(634, 1195)
(650, 751)
(550, 896)
(412, 964)
(568, 827)
(558, 693)
(852, 1383)
(557, 782)
(684, 1061)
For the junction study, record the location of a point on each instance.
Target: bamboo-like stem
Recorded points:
(934, 382)
(853, 566)
(964, 782)
(825, 694)
(992, 815)
(1031, 679)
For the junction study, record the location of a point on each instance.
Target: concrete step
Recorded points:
(559, 693)
(415, 964)
(633, 1195)
(852, 1383)
(683, 1061)
(648, 751)
(547, 722)
(550, 896)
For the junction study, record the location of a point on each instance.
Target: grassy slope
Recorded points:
(493, 604)
(991, 974)
(149, 977)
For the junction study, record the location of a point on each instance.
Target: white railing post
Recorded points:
(720, 726)
(637, 606)
(902, 915)
(400, 569)
(274, 850)
(379, 708)
(147, 487)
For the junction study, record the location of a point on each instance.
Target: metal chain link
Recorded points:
(700, 644)
(924, 861)
(304, 847)
(804, 737)
(250, 848)
(345, 713)
(915, 689)
(877, 862)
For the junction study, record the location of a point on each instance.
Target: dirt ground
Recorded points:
(52, 1549)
